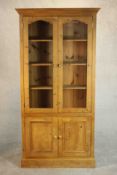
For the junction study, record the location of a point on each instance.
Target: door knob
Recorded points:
(60, 137)
(55, 136)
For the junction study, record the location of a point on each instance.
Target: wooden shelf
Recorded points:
(50, 40)
(76, 40)
(74, 87)
(40, 40)
(50, 64)
(75, 63)
(40, 64)
(41, 87)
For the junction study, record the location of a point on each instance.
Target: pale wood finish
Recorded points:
(22, 82)
(93, 85)
(41, 64)
(41, 137)
(60, 134)
(74, 136)
(59, 163)
(59, 12)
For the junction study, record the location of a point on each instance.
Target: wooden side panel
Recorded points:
(41, 137)
(22, 81)
(74, 136)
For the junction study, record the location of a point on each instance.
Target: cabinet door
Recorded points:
(40, 67)
(41, 137)
(74, 137)
(75, 64)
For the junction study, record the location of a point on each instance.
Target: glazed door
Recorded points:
(74, 137)
(75, 64)
(40, 64)
(41, 137)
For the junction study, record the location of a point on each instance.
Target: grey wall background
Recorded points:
(106, 73)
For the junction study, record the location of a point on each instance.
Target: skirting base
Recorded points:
(59, 163)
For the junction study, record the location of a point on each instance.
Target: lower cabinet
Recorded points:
(57, 137)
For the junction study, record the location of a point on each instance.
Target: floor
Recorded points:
(106, 158)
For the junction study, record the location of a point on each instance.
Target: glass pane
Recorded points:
(40, 52)
(40, 76)
(77, 75)
(41, 64)
(41, 98)
(74, 51)
(74, 98)
(75, 30)
(40, 30)
(75, 64)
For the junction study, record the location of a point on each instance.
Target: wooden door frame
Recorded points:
(89, 21)
(26, 22)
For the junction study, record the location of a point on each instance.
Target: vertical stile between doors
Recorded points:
(55, 62)
(60, 63)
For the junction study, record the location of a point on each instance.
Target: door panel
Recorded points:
(40, 67)
(75, 59)
(41, 137)
(74, 137)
